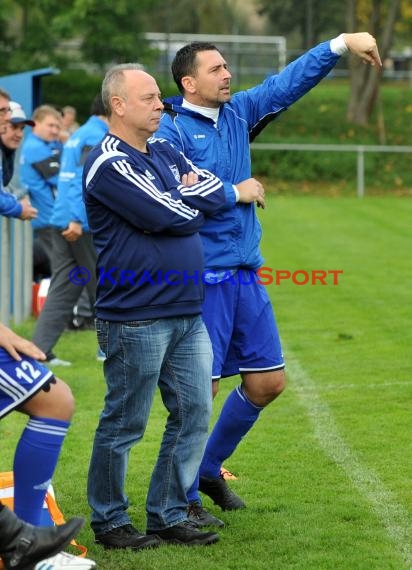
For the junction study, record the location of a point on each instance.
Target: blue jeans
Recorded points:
(176, 355)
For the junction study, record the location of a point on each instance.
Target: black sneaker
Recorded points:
(127, 536)
(186, 533)
(220, 493)
(201, 517)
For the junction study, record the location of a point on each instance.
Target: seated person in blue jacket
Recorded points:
(30, 388)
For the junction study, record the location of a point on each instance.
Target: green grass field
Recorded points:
(326, 472)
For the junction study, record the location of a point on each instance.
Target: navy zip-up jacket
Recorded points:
(231, 238)
(145, 226)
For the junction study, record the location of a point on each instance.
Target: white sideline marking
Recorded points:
(371, 386)
(393, 515)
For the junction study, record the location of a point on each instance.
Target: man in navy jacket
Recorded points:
(146, 204)
(214, 130)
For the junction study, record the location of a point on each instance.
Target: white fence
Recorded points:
(246, 55)
(360, 151)
(16, 269)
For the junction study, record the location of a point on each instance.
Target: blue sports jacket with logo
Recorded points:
(39, 169)
(231, 237)
(69, 205)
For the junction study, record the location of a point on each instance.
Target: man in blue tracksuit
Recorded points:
(214, 130)
(39, 169)
(72, 245)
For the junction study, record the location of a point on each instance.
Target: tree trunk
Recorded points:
(364, 79)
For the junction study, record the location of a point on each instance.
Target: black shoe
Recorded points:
(201, 517)
(127, 536)
(186, 533)
(23, 545)
(220, 493)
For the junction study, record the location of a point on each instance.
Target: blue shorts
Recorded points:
(242, 326)
(20, 380)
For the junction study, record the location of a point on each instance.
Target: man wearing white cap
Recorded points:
(9, 205)
(10, 141)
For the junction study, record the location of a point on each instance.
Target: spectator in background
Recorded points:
(39, 168)
(30, 388)
(69, 123)
(10, 142)
(72, 242)
(10, 206)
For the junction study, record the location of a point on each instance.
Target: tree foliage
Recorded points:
(98, 33)
(111, 31)
(32, 38)
(311, 20)
(59, 33)
(202, 17)
(379, 17)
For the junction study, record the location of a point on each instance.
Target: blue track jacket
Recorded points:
(39, 169)
(9, 205)
(231, 238)
(69, 205)
(145, 226)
